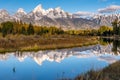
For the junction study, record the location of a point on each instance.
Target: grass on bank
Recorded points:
(112, 72)
(45, 42)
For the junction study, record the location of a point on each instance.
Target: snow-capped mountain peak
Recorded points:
(39, 9)
(58, 9)
(5, 16)
(21, 10)
(4, 12)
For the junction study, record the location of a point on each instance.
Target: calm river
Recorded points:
(57, 64)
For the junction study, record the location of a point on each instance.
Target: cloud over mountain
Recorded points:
(83, 14)
(109, 9)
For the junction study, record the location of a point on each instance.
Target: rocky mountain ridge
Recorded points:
(57, 17)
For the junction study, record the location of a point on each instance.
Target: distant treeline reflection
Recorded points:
(115, 43)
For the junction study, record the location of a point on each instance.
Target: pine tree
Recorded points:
(23, 31)
(30, 29)
(7, 28)
(115, 27)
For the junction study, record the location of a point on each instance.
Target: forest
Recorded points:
(30, 29)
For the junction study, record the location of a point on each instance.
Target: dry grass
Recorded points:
(34, 43)
(111, 72)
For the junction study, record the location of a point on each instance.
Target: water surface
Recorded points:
(57, 64)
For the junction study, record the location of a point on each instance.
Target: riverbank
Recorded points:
(13, 43)
(112, 72)
(111, 37)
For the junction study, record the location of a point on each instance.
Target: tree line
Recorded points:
(102, 31)
(27, 29)
(30, 29)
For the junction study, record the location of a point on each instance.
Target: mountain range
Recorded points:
(57, 17)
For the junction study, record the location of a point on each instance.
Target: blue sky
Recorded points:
(67, 5)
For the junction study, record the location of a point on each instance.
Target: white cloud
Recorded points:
(109, 9)
(83, 14)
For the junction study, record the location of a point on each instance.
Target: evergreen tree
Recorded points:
(115, 27)
(7, 28)
(30, 29)
(23, 31)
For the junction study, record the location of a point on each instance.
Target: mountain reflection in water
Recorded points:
(55, 63)
(102, 52)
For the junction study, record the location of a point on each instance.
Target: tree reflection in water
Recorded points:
(115, 44)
